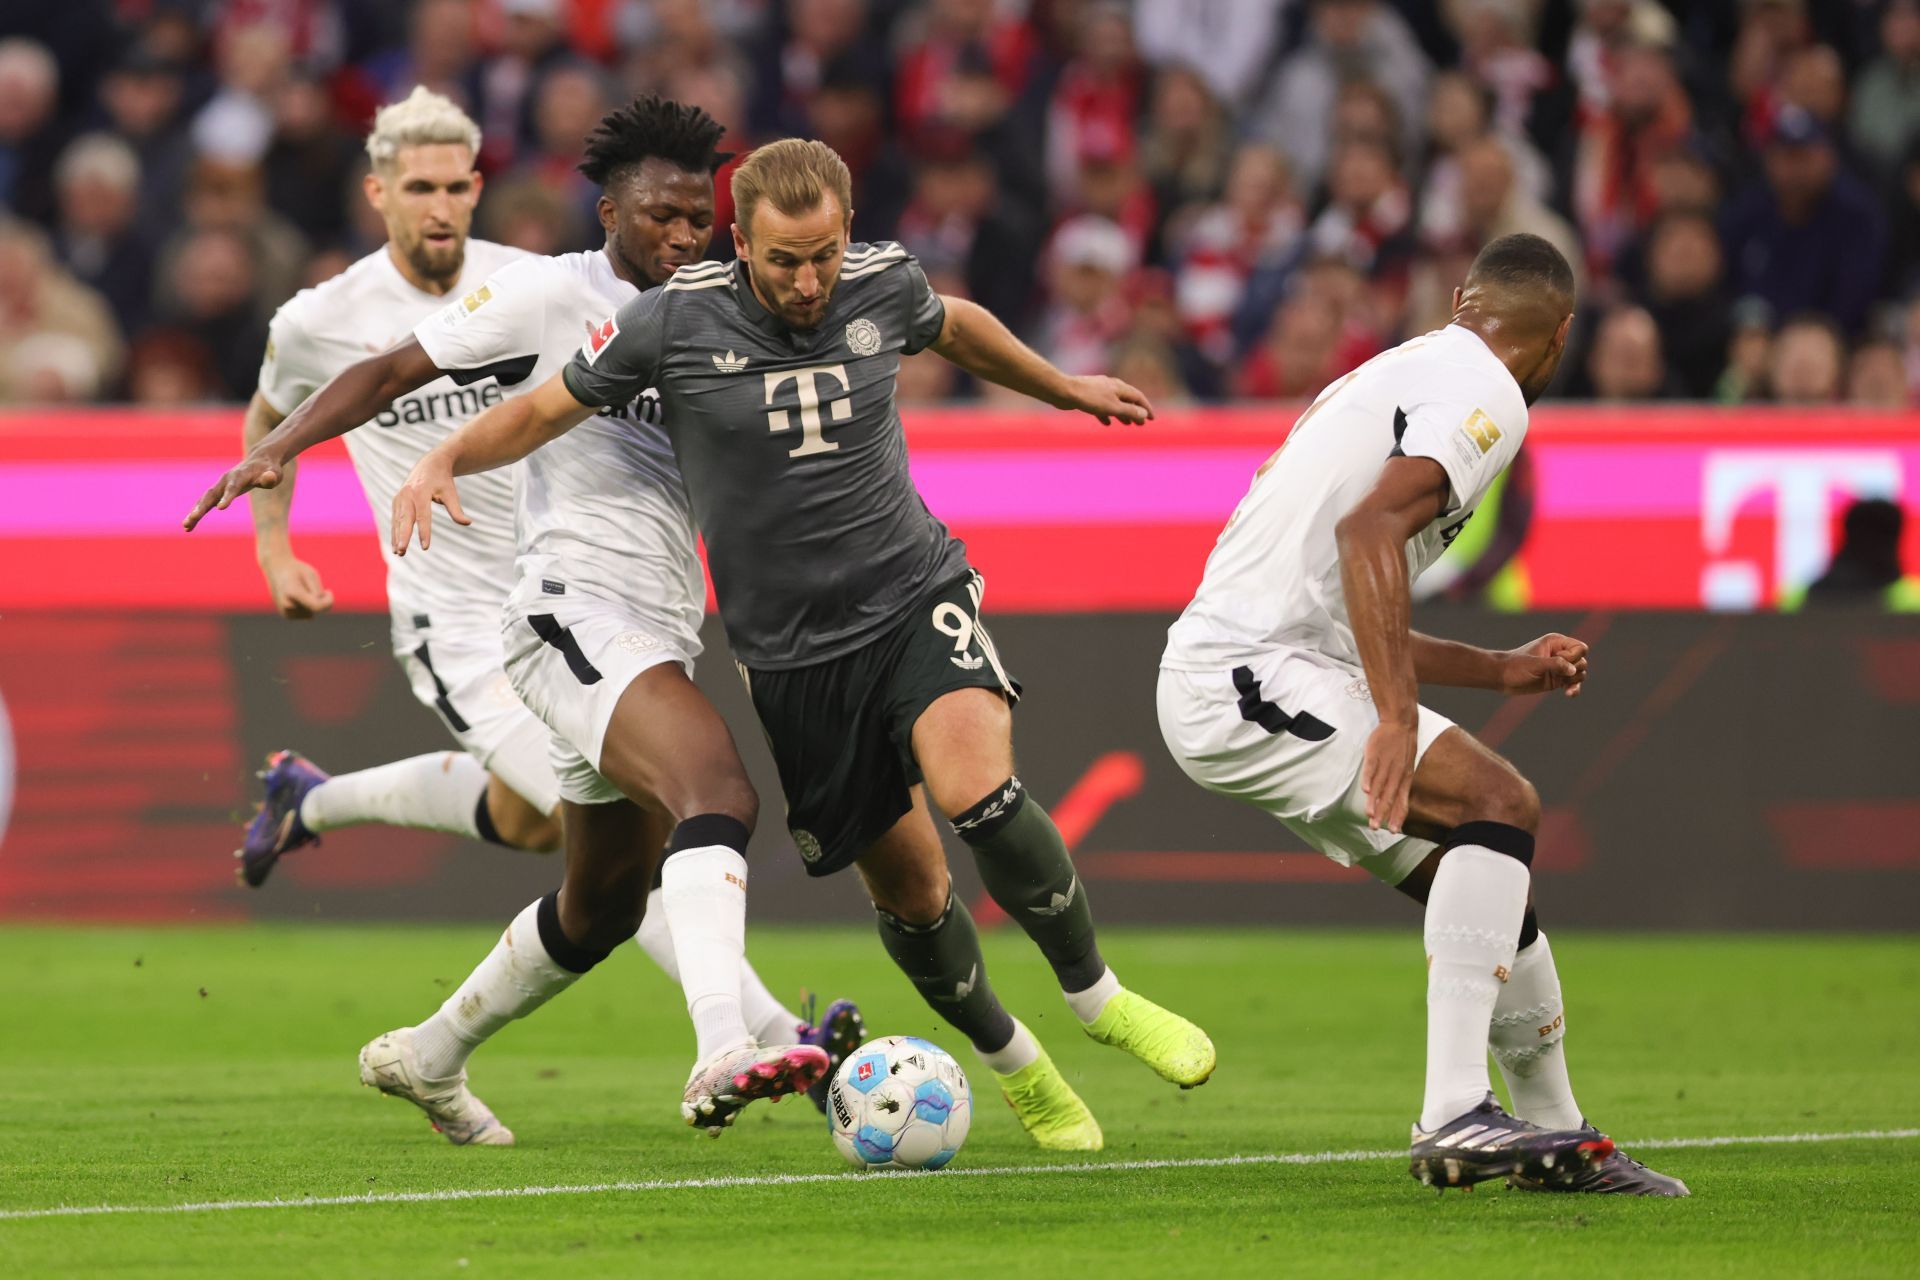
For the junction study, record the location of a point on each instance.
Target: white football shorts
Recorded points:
(458, 671)
(1288, 735)
(570, 658)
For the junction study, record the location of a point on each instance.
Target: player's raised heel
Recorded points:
(722, 1086)
(1487, 1143)
(276, 828)
(1165, 1041)
(1050, 1111)
(387, 1063)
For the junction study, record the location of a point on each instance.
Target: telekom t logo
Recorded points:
(811, 439)
(1802, 483)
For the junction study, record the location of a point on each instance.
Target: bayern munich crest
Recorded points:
(863, 336)
(808, 844)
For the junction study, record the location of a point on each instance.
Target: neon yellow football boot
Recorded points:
(1049, 1108)
(1165, 1041)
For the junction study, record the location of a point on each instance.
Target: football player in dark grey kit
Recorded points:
(852, 610)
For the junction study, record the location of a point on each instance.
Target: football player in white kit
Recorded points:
(443, 617)
(600, 636)
(1292, 682)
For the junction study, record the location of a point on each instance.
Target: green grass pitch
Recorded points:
(170, 1066)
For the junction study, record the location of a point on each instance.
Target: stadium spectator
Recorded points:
(532, 47)
(1497, 50)
(1368, 219)
(1625, 362)
(311, 160)
(1602, 29)
(1255, 230)
(1347, 39)
(963, 67)
(1298, 356)
(1809, 236)
(1456, 118)
(1685, 293)
(38, 298)
(210, 292)
(1877, 376)
(30, 136)
(1616, 152)
(1768, 35)
(1902, 277)
(1815, 80)
(816, 39)
(1096, 97)
(567, 105)
(440, 52)
(232, 197)
(1885, 120)
(1107, 183)
(1186, 145)
(1088, 263)
(168, 369)
(1747, 376)
(97, 235)
(1152, 366)
(1809, 361)
(1228, 42)
(235, 127)
(1685, 180)
(963, 229)
(143, 100)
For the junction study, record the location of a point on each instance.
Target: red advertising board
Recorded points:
(1634, 507)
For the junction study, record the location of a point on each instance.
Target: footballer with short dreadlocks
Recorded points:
(597, 636)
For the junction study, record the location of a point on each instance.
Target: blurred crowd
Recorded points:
(1216, 199)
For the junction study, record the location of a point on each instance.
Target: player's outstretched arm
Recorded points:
(504, 434)
(353, 396)
(297, 590)
(1372, 539)
(973, 338)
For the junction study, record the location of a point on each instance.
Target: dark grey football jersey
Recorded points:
(791, 447)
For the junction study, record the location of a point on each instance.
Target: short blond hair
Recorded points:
(794, 175)
(422, 118)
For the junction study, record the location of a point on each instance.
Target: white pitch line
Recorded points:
(804, 1179)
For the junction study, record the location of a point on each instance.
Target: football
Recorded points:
(899, 1102)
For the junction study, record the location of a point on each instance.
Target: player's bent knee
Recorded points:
(917, 898)
(1506, 798)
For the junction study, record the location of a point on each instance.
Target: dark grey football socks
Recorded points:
(1026, 868)
(944, 963)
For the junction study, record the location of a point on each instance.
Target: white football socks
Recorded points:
(704, 895)
(439, 792)
(770, 1021)
(1529, 1024)
(517, 977)
(1473, 926)
(1087, 1004)
(1021, 1051)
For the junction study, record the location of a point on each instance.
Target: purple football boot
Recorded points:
(276, 828)
(840, 1032)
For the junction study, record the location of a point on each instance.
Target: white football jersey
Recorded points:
(361, 312)
(1273, 579)
(603, 510)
